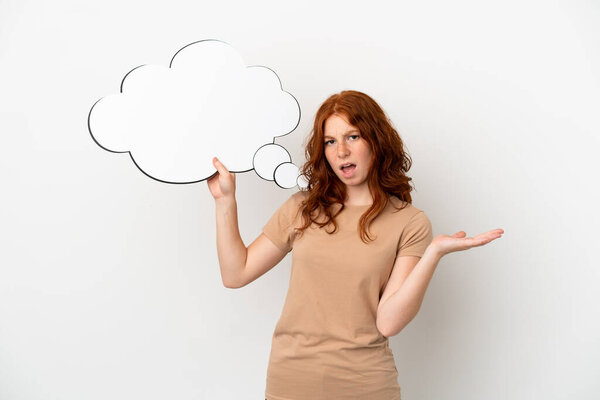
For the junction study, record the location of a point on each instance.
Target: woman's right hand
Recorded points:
(221, 184)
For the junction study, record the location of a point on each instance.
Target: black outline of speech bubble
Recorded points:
(170, 64)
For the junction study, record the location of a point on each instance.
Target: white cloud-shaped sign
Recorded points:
(174, 120)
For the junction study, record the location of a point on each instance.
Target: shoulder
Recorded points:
(408, 211)
(297, 199)
(299, 196)
(293, 203)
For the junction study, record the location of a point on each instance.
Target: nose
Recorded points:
(342, 150)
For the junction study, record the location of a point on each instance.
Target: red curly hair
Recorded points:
(390, 162)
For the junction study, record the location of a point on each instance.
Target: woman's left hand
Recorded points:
(444, 244)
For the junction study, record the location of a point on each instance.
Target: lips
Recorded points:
(348, 170)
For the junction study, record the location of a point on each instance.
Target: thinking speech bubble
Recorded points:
(173, 120)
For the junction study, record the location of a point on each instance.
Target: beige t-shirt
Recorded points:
(326, 344)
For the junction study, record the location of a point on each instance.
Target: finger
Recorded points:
(483, 238)
(496, 231)
(491, 234)
(219, 166)
(475, 242)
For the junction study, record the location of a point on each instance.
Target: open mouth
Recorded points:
(348, 169)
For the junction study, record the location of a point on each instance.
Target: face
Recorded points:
(344, 144)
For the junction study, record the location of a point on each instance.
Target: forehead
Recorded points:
(337, 125)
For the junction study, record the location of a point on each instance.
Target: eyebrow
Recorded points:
(350, 131)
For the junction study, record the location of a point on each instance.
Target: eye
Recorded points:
(327, 142)
(356, 136)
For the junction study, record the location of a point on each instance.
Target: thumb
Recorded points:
(219, 166)
(459, 234)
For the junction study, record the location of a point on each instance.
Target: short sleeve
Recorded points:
(416, 236)
(280, 227)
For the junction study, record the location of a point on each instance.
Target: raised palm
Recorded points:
(445, 244)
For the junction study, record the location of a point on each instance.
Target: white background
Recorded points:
(109, 281)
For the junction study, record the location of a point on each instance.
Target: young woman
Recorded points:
(362, 256)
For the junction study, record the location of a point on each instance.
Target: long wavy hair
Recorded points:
(389, 163)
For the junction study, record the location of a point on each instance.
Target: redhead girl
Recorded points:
(362, 256)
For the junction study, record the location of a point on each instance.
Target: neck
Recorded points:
(358, 197)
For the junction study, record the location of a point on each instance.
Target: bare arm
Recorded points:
(231, 250)
(239, 265)
(404, 294)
